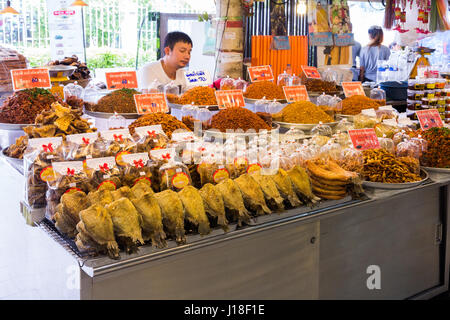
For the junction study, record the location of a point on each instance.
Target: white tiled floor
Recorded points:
(32, 265)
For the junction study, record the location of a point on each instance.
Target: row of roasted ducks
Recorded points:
(105, 220)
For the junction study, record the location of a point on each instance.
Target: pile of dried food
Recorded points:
(23, 106)
(173, 98)
(168, 122)
(355, 104)
(302, 112)
(238, 118)
(81, 72)
(319, 85)
(200, 96)
(258, 90)
(57, 122)
(438, 147)
(120, 101)
(382, 166)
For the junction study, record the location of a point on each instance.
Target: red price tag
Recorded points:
(261, 73)
(30, 78)
(311, 72)
(120, 80)
(353, 89)
(230, 98)
(363, 139)
(296, 93)
(151, 103)
(429, 119)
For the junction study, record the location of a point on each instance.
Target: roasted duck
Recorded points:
(194, 209)
(252, 195)
(152, 226)
(214, 206)
(127, 224)
(233, 201)
(173, 214)
(96, 232)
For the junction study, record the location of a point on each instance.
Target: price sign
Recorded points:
(295, 93)
(363, 139)
(311, 72)
(353, 89)
(230, 98)
(198, 78)
(30, 78)
(261, 73)
(120, 80)
(151, 103)
(429, 119)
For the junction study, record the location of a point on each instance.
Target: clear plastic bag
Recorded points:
(171, 88)
(38, 172)
(283, 79)
(408, 149)
(323, 100)
(387, 144)
(103, 173)
(73, 89)
(139, 168)
(342, 138)
(274, 107)
(119, 142)
(154, 87)
(174, 176)
(150, 137)
(261, 105)
(400, 137)
(116, 121)
(382, 129)
(331, 150)
(352, 160)
(344, 125)
(227, 83)
(421, 143)
(378, 94)
(362, 121)
(240, 84)
(322, 130)
(86, 146)
(295, 80)
(204, 115)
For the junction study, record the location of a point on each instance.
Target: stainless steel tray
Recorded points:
(303, 126)
(396, 186)
(441, 170)
(106, 115)
(13, 162)
(224, 135)
(14, 126)
(252, 101)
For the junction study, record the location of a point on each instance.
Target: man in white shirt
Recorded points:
(177, 54)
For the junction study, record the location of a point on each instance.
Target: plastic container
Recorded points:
(395, 90)
(378, 94)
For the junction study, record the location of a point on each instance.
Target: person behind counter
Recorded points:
(177, 54)
(371, 53)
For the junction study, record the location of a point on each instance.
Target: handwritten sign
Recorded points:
(151, 103)
(120, 80)
(30, 78)
(353, 89)
(429, 119)
(230, 98)
(311, 72)
(363, 139)
(261, 73)
(198, 78)
(295, 93)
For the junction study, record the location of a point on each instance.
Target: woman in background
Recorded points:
(371, 53)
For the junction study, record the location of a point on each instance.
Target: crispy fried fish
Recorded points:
(285, 187)
(269, 188)
(101, 197)
(214, 206)
(173, 214)
(67, 215)
(194, 209)
(252, 195)
(124, 192)
(152, 226)
(141, 188)
(301, 184)
(96, 231)
(127, 224)
(233, 201)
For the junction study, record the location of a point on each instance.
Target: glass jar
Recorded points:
(440, 84)
(412, 84)
(410, 104)
(433, 103)
(411, 94)
(429, 94)
(418, 95)
(437, 93)
(420, 84)
(431, 84)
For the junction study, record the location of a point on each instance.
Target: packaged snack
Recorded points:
(103, 173)
(387, 144)
(342, 138)
(69, 176)
(261, 105)
(119, 143)
(150, 137)
(386, 112)
(38, 171)
(174, 176)
(408, 149)
(139, 168)
(344, 125)
(352, 160)
(421, 143)
(86, 146)
(322, 130)
(385, 129)
(274, 107)
(362, 121)
(227, 83)
(399, 137)
(116, 121)
(331, 150)
(240, 84)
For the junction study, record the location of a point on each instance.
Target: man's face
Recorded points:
(180, 55)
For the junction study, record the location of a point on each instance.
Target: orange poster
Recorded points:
(119, 80)
(30, 78)
(230, 98)
(151, 103)
(353, 89)
(261, 73)
(311, 72)
(295, 93)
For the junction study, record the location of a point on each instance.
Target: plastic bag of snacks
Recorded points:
(139, 168)
(38, 169)
(400, 137)
(119, 143)
(387, 144)
(352, 160)
(274, 107)
(331, 150)
(421, 143)
(323, 100)
(212, 169)
(103, 173)
(386, 112)
(322, 130)
(283, 79)
(240, 84)
(362, 121)
(408, 149)
(261, 105)
(68, 176)
(87, 146)
(335, 103)
(342, 138)
(150, 137)
(385, 129)
(227, 83)
(174, 175)
(344, 125)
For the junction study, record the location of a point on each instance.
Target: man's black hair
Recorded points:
(173, 37)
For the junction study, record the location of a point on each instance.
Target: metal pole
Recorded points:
(84, 42)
